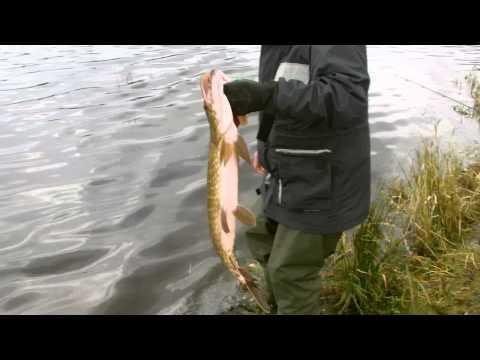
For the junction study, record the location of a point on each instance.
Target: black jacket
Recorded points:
(314, 137)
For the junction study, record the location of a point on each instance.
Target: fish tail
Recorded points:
(258, 294)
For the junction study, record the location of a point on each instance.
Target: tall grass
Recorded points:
(439, 200)
(413, 268)
(473, 80)
(362, 268)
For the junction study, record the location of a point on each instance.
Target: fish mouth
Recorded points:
(206, 85)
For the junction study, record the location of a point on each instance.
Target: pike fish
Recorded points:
(225, 147)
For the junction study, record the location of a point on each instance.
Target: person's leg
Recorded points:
(260, 241)
(294, 267)
(260, 237)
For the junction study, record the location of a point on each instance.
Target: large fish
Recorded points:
(225, 148)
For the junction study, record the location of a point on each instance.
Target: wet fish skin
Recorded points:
(217, 146)
(225, 148)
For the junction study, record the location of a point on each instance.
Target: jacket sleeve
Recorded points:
(336, 94)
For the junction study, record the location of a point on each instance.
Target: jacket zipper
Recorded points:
(303, 152)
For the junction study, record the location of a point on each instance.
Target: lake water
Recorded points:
(103, 153)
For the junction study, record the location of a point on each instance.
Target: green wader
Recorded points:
(292, 261)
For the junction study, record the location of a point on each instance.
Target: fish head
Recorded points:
(217, 103)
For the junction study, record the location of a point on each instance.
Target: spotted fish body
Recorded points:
(225, 148)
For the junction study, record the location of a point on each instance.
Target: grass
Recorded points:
(451, 283)
(413, 255)
(357, 267)
(472, 80)
(439, 200)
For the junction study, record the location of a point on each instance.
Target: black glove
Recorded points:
(247, 96)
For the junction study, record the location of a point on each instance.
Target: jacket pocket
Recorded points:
(304, 179)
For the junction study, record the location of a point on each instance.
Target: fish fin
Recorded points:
(245, 216)
(257, 293)
(226, 152)
(242, 149)
(223, 217)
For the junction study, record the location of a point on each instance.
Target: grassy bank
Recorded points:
(416, 253)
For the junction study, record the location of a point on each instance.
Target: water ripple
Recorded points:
(103, 155)
(26, 87)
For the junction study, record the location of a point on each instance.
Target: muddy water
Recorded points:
(103, 154)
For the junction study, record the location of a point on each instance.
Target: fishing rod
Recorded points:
(437, 92)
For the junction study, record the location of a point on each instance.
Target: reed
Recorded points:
(473, 81)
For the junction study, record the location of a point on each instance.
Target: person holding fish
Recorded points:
(314, 155)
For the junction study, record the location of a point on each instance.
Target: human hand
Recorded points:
(259, 169)
(247, 96)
